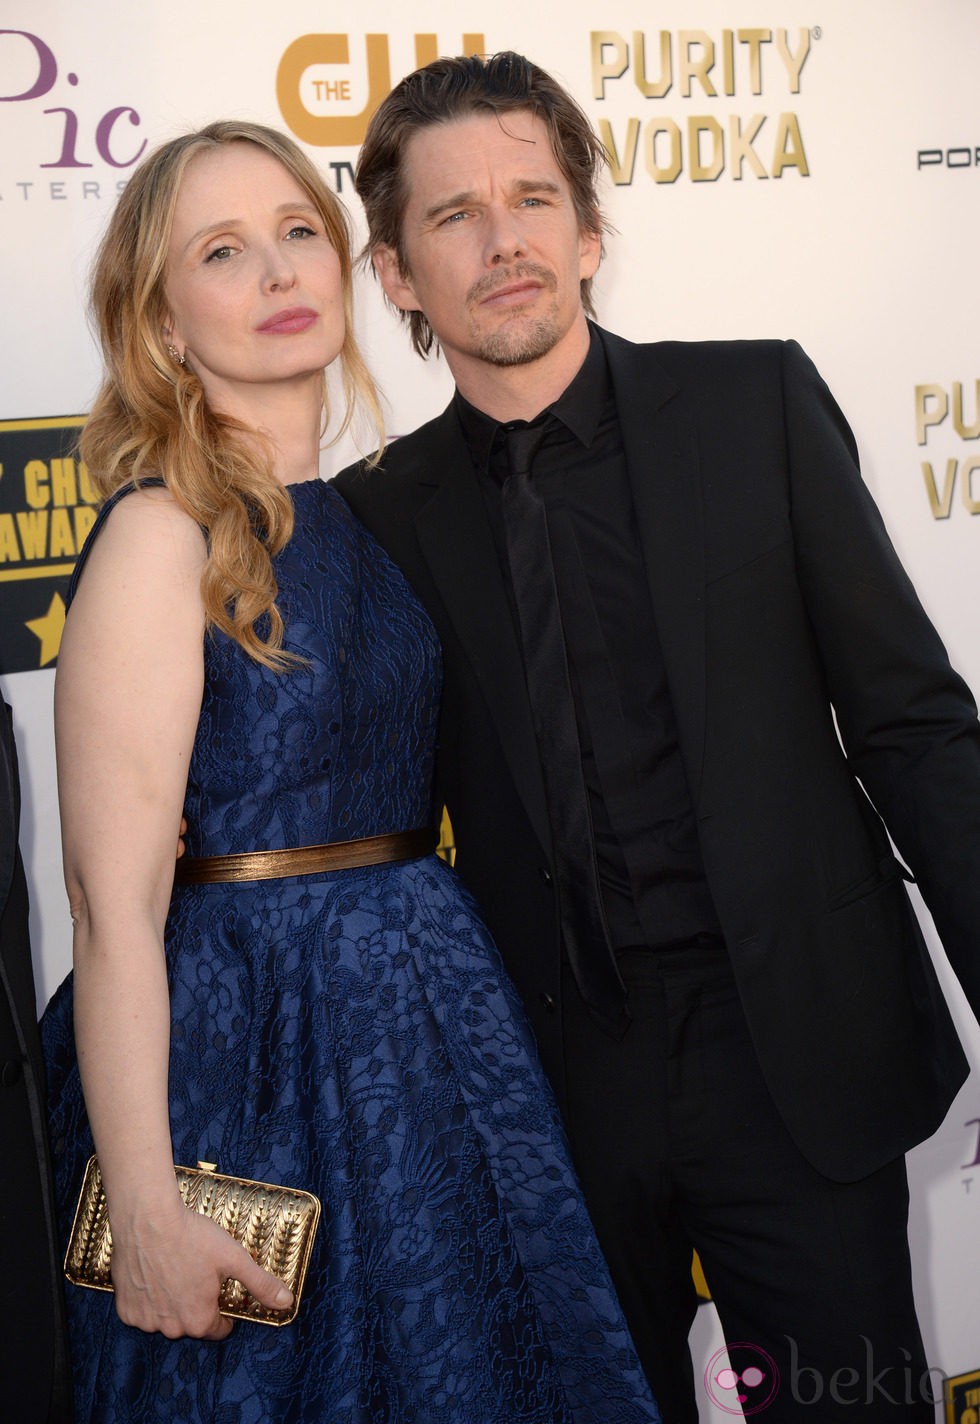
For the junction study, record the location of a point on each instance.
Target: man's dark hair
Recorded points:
(450, 89)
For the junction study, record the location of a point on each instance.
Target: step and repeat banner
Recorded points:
(776, 169)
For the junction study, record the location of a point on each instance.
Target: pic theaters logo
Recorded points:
(329, 87)
(63, 150)
(949, 416)
(46, 510)
(962, 1399)
(685, 80)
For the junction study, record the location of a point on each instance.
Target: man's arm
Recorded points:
(907, 720)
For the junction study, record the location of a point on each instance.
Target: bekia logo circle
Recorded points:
(741, 1379)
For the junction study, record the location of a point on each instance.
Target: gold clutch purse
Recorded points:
(276, 1225)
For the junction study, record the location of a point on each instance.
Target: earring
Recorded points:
(175, 355)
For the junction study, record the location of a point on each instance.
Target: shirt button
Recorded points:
(11, 1073)
(548, 1003)
(545, 874)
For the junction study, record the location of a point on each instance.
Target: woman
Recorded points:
(239, 650)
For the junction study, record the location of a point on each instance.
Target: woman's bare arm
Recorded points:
(127, 700)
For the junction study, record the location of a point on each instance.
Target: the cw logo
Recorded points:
(344, 130)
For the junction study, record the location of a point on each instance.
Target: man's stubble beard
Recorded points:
(519, 348)
(520, 342)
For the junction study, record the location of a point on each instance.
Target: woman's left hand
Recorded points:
(168, 1275)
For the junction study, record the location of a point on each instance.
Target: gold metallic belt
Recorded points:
(305, 860)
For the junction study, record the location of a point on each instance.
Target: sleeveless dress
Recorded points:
(353, 1033)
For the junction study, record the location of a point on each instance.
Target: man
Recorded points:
(684, 871)
(34, 1381)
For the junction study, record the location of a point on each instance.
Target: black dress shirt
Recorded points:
(651, 873)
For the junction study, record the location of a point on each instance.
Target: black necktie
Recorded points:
(553, 711)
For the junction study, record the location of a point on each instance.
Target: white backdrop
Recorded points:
(780, 170)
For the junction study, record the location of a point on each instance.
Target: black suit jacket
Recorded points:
(34, 1386)
(778, 597)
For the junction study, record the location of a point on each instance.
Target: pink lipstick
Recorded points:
(288, 322)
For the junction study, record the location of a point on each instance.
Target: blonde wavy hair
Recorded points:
(151, 416)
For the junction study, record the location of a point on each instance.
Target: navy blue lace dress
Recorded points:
(354, 1033)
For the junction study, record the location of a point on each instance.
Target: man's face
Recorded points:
(493, 245)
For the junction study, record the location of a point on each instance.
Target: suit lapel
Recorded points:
(455, 538)
(663, 462)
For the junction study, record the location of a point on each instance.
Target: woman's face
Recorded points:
(252, 280)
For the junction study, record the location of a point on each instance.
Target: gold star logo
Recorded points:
(49, 629)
